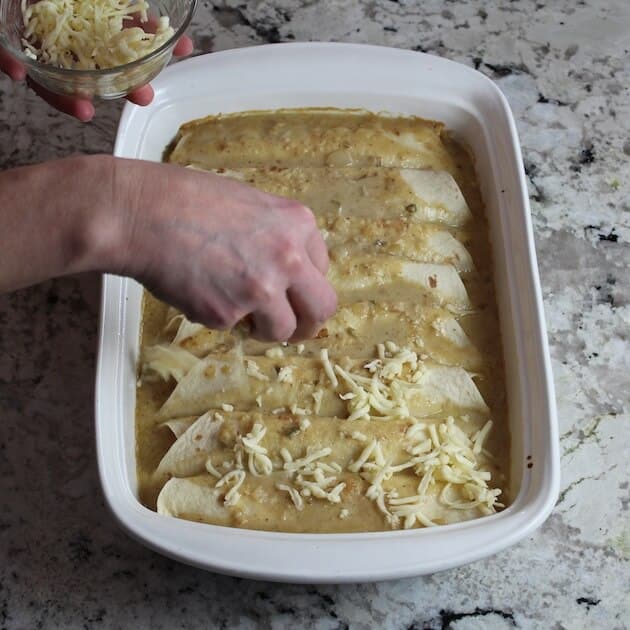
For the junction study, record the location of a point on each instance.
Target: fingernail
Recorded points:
(86, 113)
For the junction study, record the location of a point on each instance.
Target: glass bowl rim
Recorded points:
(82, 72)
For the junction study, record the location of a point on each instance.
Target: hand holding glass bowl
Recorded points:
(71, 90)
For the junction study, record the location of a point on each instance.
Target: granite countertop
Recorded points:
(564, 65)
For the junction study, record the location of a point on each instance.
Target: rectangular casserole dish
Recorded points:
(375, 79)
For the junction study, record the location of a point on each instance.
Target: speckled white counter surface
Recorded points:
(565, 68)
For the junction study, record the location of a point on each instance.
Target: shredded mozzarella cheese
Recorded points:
(328, 368)
(258, 462)
(294, 495)
(448, 455)
(275, 353)
(285, 375)
(235, 478)
(309, 475)
(440, 453)
(298, 411)
(317, 395)
(212, 470)
(381, 395)
(253, 370)
(309, 458)
(360, 437)
(90, 34)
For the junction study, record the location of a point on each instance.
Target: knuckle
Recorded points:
(304, 213)
(282, 241)
(289, 256)
(260, 289)
(299, 214)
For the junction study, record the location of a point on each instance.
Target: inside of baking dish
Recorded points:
(468, 128)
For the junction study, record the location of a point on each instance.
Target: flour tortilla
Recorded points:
(167, 361)
(392, 278)
(178, 426)
(223, 379)
(195, 499)
(263, 505)
(348, 236)
(354, 331)
(416, 195)
(214, 435)
(311, 138)
(189, 452)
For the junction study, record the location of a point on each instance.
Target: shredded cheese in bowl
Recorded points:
(90, 34)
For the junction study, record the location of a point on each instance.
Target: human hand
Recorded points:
(220, 250)
(211, 246)
(82, 108)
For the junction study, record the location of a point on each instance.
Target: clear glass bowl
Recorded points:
(108, 83)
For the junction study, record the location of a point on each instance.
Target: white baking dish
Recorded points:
(377, 79)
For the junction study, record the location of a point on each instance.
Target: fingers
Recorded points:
(318, 252)
(213, 313)
(313, 300)
(184, 47)
(144, 94)
(11, 66)
(275, 321)
(299, 313)
(82, 109)
(141, 96)
(309, 297)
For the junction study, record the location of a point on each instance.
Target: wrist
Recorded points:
(99, 234)
(61, 217)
